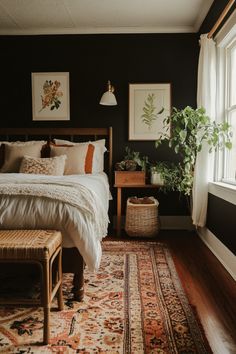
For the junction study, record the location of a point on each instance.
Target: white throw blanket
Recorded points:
(91, 212)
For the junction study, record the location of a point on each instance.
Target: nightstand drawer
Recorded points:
(130, 177)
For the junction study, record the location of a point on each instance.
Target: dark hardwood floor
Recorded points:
(209, 287)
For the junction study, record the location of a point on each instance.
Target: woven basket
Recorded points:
(142, 219)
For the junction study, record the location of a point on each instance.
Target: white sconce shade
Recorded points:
(108, 98)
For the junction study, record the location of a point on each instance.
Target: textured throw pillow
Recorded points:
(96, 158)
(14, 152)
(43, 166)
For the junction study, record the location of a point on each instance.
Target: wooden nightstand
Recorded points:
(119, 199)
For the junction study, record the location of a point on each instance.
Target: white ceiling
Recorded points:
(101, 16)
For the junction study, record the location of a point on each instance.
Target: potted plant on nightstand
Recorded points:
(135, 156)
(165, 174)
(132, 169)
(156, 173)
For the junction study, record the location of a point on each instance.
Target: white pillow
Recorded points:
(47, 166)
(14, 152)
(67, 142)
(86, 157)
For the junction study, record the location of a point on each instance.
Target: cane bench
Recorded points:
(41, 247)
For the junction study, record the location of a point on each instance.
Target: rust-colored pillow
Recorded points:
(45, 151)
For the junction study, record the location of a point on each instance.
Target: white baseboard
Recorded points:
(168, 222)
(224, 255)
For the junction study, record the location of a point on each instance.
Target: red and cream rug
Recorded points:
(134, 304)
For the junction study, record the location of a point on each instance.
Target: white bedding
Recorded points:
(83, 224)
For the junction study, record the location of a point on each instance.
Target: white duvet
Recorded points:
(82, 217)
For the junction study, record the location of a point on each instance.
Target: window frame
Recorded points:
(225, 41)
(229, 107)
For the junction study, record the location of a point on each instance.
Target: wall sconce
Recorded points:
(108, 98)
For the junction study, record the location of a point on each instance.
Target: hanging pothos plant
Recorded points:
(189, 129)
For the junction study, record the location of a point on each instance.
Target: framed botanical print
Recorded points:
(50, 96)
(149, 105)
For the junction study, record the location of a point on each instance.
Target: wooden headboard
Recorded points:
(72, 134)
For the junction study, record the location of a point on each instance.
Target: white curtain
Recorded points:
(206, 97)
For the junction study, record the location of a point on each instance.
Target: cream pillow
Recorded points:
(100, 142)
(14, 152)
(43, 166)
(80, 158)
(19, 142)
(97, 162)
(2, 147)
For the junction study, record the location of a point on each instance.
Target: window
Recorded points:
(226, 102)
(229, 166)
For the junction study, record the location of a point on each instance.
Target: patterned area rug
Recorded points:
(134, 304)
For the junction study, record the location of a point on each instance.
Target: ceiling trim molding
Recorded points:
(96, 30)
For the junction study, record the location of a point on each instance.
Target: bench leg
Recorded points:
(46, 302)
(59, 292)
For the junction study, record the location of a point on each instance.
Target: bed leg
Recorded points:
(78, 286)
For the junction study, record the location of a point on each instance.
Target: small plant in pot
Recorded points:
(132, 161)
(167, 175)
(156, 173)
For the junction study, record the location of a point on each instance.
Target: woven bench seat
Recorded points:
(41, 247)
(28, 244)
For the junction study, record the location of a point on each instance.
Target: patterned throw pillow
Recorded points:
(43, 166)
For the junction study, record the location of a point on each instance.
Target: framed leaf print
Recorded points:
(149, 105)
(50, 96)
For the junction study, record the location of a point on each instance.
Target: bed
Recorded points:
(77, 203)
